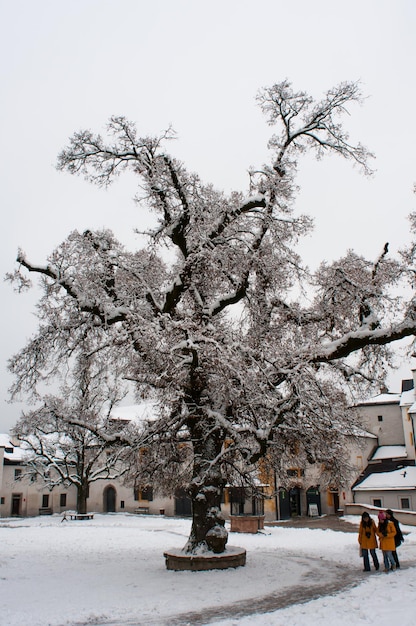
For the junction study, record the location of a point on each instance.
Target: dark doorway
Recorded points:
(294, 501)
(284, 504)
(313, 496)
(16, 504)
(335, 498)
(110, 500)
(183, 503)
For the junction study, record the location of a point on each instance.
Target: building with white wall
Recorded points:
(385, 446)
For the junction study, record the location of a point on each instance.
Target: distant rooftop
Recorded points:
(389, 452)
(135, 412)
(398, 480)
(11, 452)
(381, 398)
(407, 397)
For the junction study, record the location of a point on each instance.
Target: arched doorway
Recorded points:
(313, 496)
(109, 499)
(294, 501)
(284, 504)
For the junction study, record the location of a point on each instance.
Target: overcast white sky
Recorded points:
(197, 66)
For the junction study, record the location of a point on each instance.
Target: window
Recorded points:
(296, 472)
(45, 500)
(122, 504)
(17, 474)
(62, 499)
(380, 418)
(237, 500)
(404, 503)
(377, 502)
(2, 500)
(146, 493)
(258, 505)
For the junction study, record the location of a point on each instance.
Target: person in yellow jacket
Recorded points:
(367, 538)
(386, 532)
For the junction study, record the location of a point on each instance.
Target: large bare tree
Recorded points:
(249, 354)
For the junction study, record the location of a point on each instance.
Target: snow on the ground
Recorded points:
(111, 570)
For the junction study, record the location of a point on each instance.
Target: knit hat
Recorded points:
(382, 516)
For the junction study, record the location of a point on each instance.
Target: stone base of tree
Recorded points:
(232, 557)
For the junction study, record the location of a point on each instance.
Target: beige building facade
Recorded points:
(385, 444)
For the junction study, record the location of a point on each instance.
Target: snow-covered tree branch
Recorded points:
(249, 355)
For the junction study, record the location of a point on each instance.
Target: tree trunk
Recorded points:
(82, 495)
(208, 532)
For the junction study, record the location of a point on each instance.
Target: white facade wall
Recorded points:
(124, 499)
(391, 499)
(408, 407)
(28, 496)
(25, 498)
(359, 453)
(1, 470)
(383, 417)
(409, 432)
(408, 418)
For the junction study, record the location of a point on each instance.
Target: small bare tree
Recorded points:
(69, 437)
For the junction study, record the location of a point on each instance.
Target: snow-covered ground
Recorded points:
(111, 570)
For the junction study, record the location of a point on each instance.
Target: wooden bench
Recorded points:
(81, 515)
(45, 510)
(142, 510)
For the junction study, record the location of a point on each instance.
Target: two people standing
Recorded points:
(387, 534)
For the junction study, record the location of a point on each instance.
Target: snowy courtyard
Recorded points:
(111, 571)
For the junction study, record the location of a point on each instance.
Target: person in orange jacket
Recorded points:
(367, 538)
(386, 532)
(398, 538)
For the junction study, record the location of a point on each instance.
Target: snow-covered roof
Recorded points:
(4, 441)
(400, 479)
(11, 452)
(412, 409)
(381, 398)
(360, 432)
(407, 397)
(389, 452)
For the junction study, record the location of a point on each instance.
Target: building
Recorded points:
(383, 454)
(21, 496)
(389, 478)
